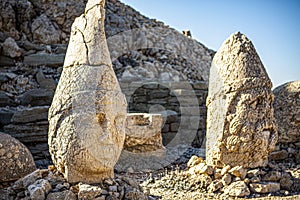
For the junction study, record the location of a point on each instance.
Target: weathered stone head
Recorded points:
(241, 128)
(88, 112)
(287, 112)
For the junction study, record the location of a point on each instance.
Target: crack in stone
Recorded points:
(98, 4)
(85, 44)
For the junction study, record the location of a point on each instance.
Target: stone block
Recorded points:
(143, 132)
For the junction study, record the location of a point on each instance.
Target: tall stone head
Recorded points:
(241, 128)
(88, 112)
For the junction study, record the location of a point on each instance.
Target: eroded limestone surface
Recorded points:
(88, 112)
(287, 112)
(143, 132)
(241, 128)
(16, 160)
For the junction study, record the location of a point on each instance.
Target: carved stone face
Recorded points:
(249, 125)
(241, 128)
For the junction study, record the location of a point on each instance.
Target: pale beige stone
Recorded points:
(214, 186)
(143, 132)
(194, 160)
(143, 147)
(241, 128)
(237, 189)
(88, 191)
(88, 112)
(238, 171)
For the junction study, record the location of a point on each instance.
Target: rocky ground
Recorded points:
(175, 181)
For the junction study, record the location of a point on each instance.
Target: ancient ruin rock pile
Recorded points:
(48, 184)
(241, 128)
(229, 181)
(88, 112)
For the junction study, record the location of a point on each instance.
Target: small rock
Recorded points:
(109, 181)
(5, 100)
(264, 187)
(278, 155)
(238, 189)
(253, 172)
(45, 83)
(255, 179)
(44, 31)
(286, 181)
(132, 182)
(33, 114)
(113, 188)
(272, 176)
(44, 59)
(10, 48)
(67, 195)
(194, 160)
(37, 97)
(217, 173)
(88, 191)
(214, 186)
(238, 171)
(135, 195)
(202, 168)
(6, 61)
(225, 170)
(226, 179)
(36, 193)
(39, 189)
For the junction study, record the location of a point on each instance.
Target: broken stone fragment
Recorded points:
(10, 48)
(241, 128)
(214, 186)
(194, 160)
(238, 171)
(143, 132)
(88, 191)
(226, 179)
(237, 189)
(265, 187)
(88, 112)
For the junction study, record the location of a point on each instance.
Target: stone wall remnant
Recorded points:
(241, 128)
(88, 112)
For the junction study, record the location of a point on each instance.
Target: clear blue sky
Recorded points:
(272, 25)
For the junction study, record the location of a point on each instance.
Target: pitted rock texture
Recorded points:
(287, 112)
(87, 115)
(241, 128)
(143, 132)
(16, 160)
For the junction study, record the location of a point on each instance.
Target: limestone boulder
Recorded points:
(287, 112)
(88, 112)
(10, 48)
(143, 145)
(44, 31)
(16, 160)
(143, 132)
(241, 128)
